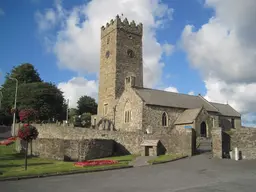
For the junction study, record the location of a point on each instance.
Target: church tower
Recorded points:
(120, 57)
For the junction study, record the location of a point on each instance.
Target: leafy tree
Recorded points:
(87, 104)
(72, 112)
(5, 117)
(86, 119)
(45, 98)
(33, 93)
(24, 73)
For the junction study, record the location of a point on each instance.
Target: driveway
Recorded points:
(188, 175)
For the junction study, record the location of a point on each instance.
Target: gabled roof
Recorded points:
(188, 116)
(226, 110)
(171, 99)
(179, 100)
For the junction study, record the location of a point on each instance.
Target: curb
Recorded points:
(161, 162)
(62, 174)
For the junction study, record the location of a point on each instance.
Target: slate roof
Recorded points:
(178, 100)
(226, 109)
(188, 116)
(171, 99)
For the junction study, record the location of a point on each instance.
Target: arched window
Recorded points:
(164, 119)
(127, 112)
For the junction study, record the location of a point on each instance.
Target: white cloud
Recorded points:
(77, 87)
(1, 12)
(50, 18)
(77, 43)
(224, 51)
(191, 93)
(167, 48)
(172, 89)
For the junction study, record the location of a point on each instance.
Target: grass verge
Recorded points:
(166, 158)
(12, 165)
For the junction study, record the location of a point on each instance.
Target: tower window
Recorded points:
(107, 54)
(127, 116)
(127, 112)
(128, 79)
(108, 39)
(164, 119)
(130, 53)
(105, 109)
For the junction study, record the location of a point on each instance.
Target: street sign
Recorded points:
(188, 127)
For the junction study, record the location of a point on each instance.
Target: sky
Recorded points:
(205, 47)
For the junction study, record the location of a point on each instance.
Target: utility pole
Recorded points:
(15, 101)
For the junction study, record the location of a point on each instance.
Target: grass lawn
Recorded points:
(165, 158)
(12, 164)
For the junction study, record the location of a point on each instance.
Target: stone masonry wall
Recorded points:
(136, 104)
(203, 116)
(225, 123)
(71, 150)
(125, 142)
(217, 142)
(117, 38)
(245, 140)
(152, 116)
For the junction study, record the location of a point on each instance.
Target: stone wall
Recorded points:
(129, 97)
(203, 116)
(245, 140)
(217, 142)
(152, 117)
(225, 123)
(69, 150)
(125, 142)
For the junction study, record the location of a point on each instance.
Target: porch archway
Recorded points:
(203, 129)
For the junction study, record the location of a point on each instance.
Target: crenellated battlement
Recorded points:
(131, 27)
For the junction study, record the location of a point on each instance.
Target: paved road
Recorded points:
(5, 132)
(198, 174)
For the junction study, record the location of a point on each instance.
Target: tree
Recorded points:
(24, 73)
(86, 119)
(45, 98)
(33, 93)
(87, 104)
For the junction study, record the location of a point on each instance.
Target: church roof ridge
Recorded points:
(166, 91)
(172, 99)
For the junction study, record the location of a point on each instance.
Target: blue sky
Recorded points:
(39, 32)
(21, 42)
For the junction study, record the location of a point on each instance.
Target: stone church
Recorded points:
(125, 105)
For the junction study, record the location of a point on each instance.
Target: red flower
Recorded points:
(27, 133)
(95, 162)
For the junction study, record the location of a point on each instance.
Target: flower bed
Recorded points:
(8, 141)
(12, 138)
(95, 162)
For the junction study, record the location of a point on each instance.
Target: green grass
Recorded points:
(12, 164)
(165, 158)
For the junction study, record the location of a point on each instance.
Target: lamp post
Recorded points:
(67, 110)
(15, 101)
